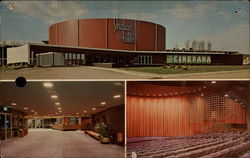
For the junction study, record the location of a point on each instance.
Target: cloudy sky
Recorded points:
(214, 21)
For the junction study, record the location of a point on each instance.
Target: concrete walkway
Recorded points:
(97, 73)
(48, 143)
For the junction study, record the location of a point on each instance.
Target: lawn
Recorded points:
(191, 69)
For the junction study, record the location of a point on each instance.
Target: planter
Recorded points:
(105, 140)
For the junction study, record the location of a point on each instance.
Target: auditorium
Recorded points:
(111, 42)
(188, 119)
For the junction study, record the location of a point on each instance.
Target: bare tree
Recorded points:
(209, 46)
(194, 45)
(187, 44)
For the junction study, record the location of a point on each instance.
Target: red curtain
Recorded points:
(180, 115)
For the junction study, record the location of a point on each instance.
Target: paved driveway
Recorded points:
(86, 72)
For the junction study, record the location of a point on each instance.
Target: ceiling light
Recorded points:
(204, 87)
(85, 111)
(13, 104)
(48, 84)
(213, 82)
(60, 111)
(56, 112)
(32, 111)
(226, 95)
(59, 108)
(54, 96)
(77, 113)
(93, 109)
(236, 100)
(103, 103)
(117, 96)
(25, 108)
(57, 103)
(202, 94)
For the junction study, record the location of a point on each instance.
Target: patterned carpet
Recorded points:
(48, 143)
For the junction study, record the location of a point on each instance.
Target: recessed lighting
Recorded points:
(60, 111)
(54, 96)
(226, 95)
(204, 87)
(48, 84)
(59, 108)
(56, 112)
(13, 104)
(213, 82)
(57, 103)
(93, 109)
(117, 96)
(25, 108)
(85, 111)
(32, 111)
(77, 113)
(236, 100)
(202, 94)
(103, 103)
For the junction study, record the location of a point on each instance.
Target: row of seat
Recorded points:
(202, 145)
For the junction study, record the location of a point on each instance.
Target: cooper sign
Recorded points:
(128, 36)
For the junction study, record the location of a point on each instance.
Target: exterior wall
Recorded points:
(104, 33)
(94, 37)
(46, 59)
(18, 54)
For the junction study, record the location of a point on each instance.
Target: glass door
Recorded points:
(5, 126)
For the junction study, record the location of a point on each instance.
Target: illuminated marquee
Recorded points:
(128, 36)
(188, 59)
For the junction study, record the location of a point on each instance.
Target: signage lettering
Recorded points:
(188, 59)
(128, 36)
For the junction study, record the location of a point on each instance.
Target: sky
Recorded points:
(214, 21)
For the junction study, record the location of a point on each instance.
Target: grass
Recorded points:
(9, 68)
(191, 69)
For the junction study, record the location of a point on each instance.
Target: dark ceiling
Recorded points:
(74, 97)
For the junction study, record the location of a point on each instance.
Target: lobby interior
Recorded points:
(62, 119)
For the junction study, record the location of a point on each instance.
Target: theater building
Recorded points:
(112, 43)
(188, 119)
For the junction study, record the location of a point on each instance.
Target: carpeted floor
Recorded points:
(48, 143)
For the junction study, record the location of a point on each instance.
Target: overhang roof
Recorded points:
(42, 48)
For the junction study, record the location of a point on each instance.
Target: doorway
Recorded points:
(5, 126)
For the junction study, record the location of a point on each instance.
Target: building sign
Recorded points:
(128, 36)
(188, 59)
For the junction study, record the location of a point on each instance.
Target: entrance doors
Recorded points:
(5, 126)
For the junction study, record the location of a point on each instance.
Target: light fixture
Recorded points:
(103, 103)
(56, 112)
(13, 104)
(202, 94)
(77, 113)
(25, 108)
(60, 111)
(59, 108)
(85, 111)
(213, 82)
(236, 100)
(117, 96)
(48, 84)
(54, 96)
(93, 109)
(226, 95)
(57, 103)
(32, 111)
(204, 87)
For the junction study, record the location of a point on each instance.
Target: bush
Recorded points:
(104, 129)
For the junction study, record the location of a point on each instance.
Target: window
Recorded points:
(145, 60)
